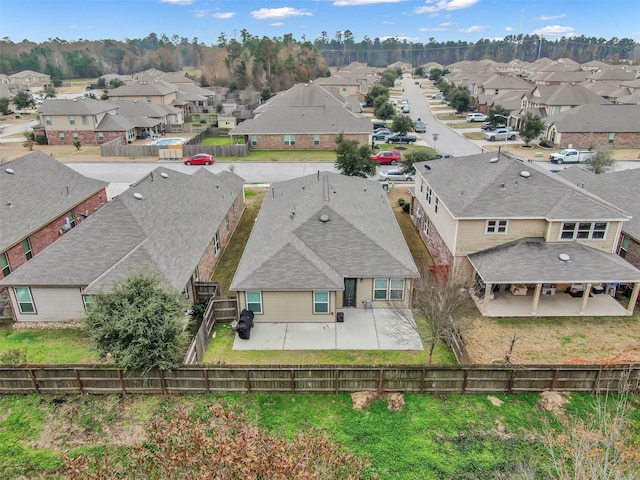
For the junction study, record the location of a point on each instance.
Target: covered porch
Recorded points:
(531, 277)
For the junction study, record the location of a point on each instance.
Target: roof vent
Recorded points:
(427, 167)
(164, 174)
(138, 196)
(493, 160)
(324, 218)
(563, 257)
(525, 174)
(10, 171)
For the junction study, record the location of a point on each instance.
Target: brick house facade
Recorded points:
(67, 137)
(302, 142)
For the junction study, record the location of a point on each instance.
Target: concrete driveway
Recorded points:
(377, 329)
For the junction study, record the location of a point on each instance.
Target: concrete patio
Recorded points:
(374, 329)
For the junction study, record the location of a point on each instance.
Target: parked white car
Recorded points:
(500, 134)
(476, 117)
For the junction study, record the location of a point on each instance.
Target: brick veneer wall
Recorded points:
(210, 259)
(303, 142)
(633, 252)
(86, 137)
(584, 140)
(437, 248)
(49, 233)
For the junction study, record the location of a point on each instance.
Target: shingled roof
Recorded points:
(39, 190)
(168, 230)
(314, 231)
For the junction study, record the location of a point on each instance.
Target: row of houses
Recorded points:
(526, 242)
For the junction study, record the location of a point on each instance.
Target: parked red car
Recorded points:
(392, 157)
(200, 159)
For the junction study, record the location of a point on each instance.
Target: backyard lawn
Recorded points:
(59, 346)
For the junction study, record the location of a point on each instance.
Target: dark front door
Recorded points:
(349, 299)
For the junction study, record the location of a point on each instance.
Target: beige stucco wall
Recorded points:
(607, 245)
(52, 305)
(290, 307)
(472, 237)
(61, 122)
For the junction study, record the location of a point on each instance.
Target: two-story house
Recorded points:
(521, 236)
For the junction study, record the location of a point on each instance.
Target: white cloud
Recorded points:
(435, 29)
(387, 22)
(81, 27)
(509, 29)
(436, 6)
(178, 2)
(357, 3)
(223, 15)
(400, 38)
(474, 29)
(555, 31)
(276, 24)
(278, 13)
(546, 18)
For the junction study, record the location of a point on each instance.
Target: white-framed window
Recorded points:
(289, 140)
(254, 302)
(496, 226)
(72, 120)
(71, 219)
(425, 225)
(320, 302)
(100, 136)
(428, 195)
(622, 251)
(85, 120)
(5, 268)
(388, 288)
(47, 120)
(148, 99)
(26, 246)
(421, 185)
(583, 231)
(316, 139)
(87, 300)
(61, 136)
(75, 136)
(25, 300)
(226, 222)
(436, 204)
(216, 243)
(254, 140)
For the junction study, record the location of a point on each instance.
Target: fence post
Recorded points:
(122, 387)
(206, 379)
(464, 380)
(511, 377)
(596, 382)
(34, 382)
(248, 381)
(293, 382)
(380, 379)
(554, 380)
(163, 384)
(78, 381)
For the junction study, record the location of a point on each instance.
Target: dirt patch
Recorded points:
(64, 153)
(553, 401)
(362, 400)
(495, 401)
(555, 340)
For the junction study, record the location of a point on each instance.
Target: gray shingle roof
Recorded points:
(305, 108)
(472, 187)
(115, 123)
(168, 231)
(601, 118)
(532, 260)
(147, 88)
(37, 193)
(297, 251)
(78, 106)
(619, 188)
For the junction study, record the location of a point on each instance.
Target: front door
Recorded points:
(349, 299)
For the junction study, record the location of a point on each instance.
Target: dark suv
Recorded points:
(397, 138)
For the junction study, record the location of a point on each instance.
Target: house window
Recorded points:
(388, 289)
(72, 120)
(95, 119)
(87, 300)
(316, 139)
(4, 264)
(289, 140)
(254, 302)
(421, 185)
(320, 302)
(25, 300)
(428, 196)
(148, 99)
(612, 137)
(85, 120)
(75, 137)
(436, 205)
(70, 222)
(622, 251)
(61, 136)
(216, 243)
(196, 274)
(583, 231)
(47, 120)
(100, 136)
(254, 140)
(26, 246)
(496, 226)
(425, 225)
(226, 221)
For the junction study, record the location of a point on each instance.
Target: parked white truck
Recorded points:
(571, 155)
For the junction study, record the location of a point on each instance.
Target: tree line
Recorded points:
(277, 63)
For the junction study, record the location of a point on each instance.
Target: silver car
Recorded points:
(394, 176)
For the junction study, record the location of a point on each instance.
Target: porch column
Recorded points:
(487, 295)
(634, 298)
(585, 297)
(536, 299)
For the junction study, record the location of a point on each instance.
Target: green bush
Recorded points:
(401, 202)
(406, 207)
(14, 356)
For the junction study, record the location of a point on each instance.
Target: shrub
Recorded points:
(401, 202)
(13, 356)
(406, 207)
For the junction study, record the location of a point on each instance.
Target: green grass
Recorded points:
(473, 135)
(57, 346)
(432, 437)
(285, 156)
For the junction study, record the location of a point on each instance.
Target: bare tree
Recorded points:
(441, 308)
(602, 445)
(601, 162)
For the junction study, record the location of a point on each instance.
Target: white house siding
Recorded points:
(608, 245)
(52, 305)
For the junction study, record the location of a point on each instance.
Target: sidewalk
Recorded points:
(377, 329)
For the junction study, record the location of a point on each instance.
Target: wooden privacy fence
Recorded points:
(471, 379)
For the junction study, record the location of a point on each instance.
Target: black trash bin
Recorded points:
(245, 324)
(340, 317)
